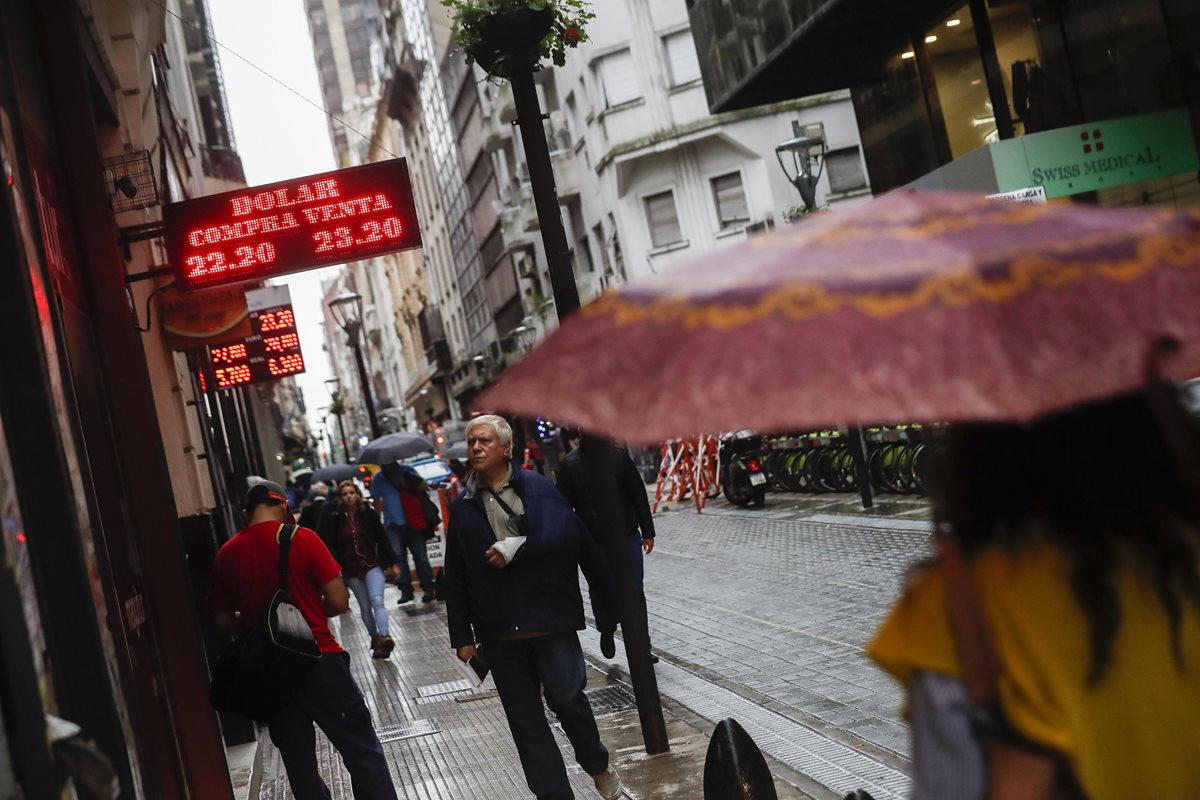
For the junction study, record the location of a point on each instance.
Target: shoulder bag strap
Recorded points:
(285, 547)
(511, 514)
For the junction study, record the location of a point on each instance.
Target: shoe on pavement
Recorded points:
(653, 659)
(383, 646)
(608, 784)
(607, 646)
(428, 597)
(405, 597)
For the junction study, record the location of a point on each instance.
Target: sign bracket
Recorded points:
(139, 233)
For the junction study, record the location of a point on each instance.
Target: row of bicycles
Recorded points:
(901, 460)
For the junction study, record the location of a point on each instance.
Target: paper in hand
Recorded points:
(475, 669)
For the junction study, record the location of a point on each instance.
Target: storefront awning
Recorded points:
(762, 51)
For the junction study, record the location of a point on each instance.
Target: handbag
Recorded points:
(262, 670)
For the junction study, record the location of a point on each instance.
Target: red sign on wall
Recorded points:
(272, 350)
(304, 223)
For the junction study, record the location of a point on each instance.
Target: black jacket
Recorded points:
(310, 515)
(573, 483)
(539, 590)
(330, 528)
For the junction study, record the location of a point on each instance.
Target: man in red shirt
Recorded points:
(245, 576)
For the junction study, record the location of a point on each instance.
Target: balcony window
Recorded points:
(583, 257)
(730, 199)
(663, 220)
(619, 78)
(682, 64)
(845, 170)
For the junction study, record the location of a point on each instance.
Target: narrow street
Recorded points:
(756, 614)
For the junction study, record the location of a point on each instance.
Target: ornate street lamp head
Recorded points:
(347, 310)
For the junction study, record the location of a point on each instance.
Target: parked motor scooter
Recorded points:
(743, 479)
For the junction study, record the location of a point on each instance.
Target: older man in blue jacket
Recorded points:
(513, 550)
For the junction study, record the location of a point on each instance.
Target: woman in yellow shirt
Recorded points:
(1082, 541)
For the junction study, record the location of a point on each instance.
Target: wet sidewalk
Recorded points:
(446, 741)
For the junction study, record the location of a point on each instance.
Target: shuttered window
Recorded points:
(663, 220)
(681, 58)
(845, 170)
(730, 199)
(619, 78)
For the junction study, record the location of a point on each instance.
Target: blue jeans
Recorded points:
(524, 669)
(369, 592)
(401, 538)
(331, 699)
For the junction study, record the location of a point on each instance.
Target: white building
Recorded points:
(645, 174)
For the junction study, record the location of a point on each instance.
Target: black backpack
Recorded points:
(261, 672)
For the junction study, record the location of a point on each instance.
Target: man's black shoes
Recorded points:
(405, 597)
(607, 646)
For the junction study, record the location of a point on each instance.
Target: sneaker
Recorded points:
(607, 646)
(608, 784)
(405, 597)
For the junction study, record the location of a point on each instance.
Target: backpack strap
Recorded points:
(973, 638)
(285, 547)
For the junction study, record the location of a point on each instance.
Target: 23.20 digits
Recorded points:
(244, 257)
(365, 233)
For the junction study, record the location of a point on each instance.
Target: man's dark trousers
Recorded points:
(403, 537)
(523, 669)
(331, 699)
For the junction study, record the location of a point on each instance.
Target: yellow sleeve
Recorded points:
(916, 633)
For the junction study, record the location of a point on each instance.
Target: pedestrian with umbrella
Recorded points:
(1053, 648)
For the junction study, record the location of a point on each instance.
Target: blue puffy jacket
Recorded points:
(538, 592)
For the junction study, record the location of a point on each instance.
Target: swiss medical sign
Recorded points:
(1098, 155)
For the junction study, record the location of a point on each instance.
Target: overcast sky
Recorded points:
(279, 135)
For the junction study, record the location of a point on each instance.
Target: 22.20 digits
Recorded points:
(244, 257)
(369, 232)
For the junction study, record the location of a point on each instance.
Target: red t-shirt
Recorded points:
(245, 576)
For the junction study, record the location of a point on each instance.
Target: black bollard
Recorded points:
(734, 769)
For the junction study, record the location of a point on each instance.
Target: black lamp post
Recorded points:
(807, 149)
(348, 313)
(338, 408)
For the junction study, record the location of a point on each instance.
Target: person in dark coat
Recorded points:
(310, 515)
(572, 483)
(354, 535)
(513, 553)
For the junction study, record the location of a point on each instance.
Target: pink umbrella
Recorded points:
(915, 307)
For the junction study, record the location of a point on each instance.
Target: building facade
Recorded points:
(120, 468)
(1092, 101)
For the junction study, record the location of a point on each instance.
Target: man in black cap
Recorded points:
(245, 576)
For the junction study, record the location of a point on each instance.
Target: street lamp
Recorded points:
(807, 149)
(338, 408)
(347, 312)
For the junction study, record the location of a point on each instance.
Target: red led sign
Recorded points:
(264, 231)
(272, 351)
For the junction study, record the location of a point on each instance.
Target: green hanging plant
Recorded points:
(509, 37)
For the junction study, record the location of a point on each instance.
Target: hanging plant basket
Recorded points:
(513, 37)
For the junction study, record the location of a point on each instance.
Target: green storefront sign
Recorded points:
(1098, 155)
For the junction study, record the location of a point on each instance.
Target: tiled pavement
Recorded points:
(757, 614)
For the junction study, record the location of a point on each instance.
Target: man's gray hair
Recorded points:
(498, 423)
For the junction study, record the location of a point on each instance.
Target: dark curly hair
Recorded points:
(1104, 484)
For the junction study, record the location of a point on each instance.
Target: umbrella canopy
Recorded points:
(336, 472)
(916, 306)
(457, 450)
(394, 447)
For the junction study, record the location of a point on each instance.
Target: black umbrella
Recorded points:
(394, 447)
(335, 472)
(457, 450)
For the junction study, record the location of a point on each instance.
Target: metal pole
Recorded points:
(362, 380)
(862, 470)
(342, 437)
(993, 75)
(597, 454)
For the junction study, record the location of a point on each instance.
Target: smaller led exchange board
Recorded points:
(272, 350)
(304, 223)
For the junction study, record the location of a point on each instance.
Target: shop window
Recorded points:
(682, 64)
(663, 220)
(845, 170)
(730, 199)
(619, 78)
